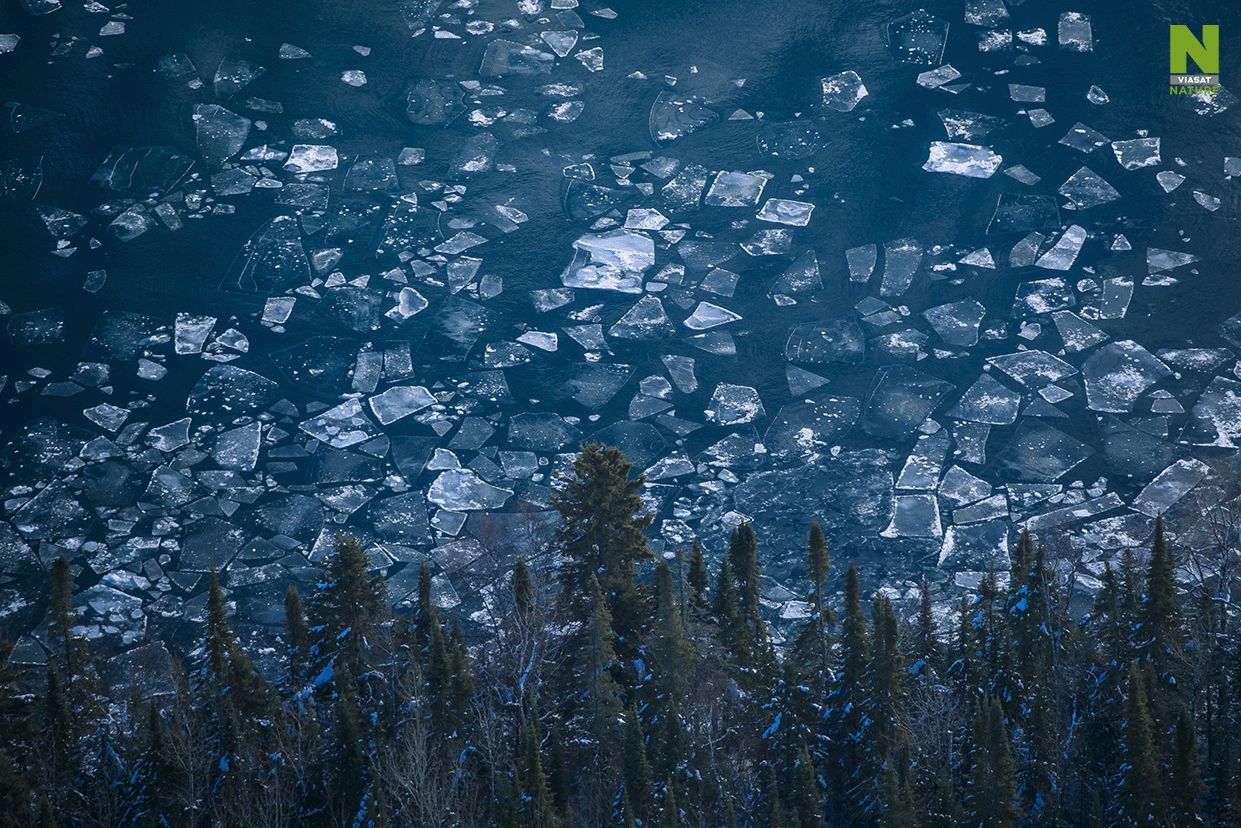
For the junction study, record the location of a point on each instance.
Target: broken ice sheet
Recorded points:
(461, 490)
(736, 189)
(1118, 373)
(342, 426)
(1085, 189)
(1137, 153)
(969, 160)
(843, 92)
(614, 260)
(786, 211)
(900, 399)
(399, 402)
(734, 404)
(918, 38)
(674, 116)
(1215, 419)
(987, 401)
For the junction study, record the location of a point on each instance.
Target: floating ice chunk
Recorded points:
(1085, 189)
(107, 416)
(1026, 94)
(1097, 96)
(834, 341)
(901, 398)
(1206, 200)
(238, 448)
(844, 91)
(957, 322)
(1077, 333)
(1075, 32)
(461, 490)
(969, 160)
(734, 404)
(736, 189)
(1169, 486)
(681, 370)
(1063, 254)
(1039, 453)
(170, 437)
(409, 303)
(1215, 419)
(646, 320)
(308, 158)
(1169, 180)
(560, 42)
(1159, 260)
(191, 332)
(1118, 373)
(504, 57)
(935, 78)
(233, 75)
(353, 77)
(924, 464)
(614, 260)
(707, 315)
(398, 402)
(645, 219)
(220, 133)
(918, 37)
(1137, 153)
(901, 260)
(914, 516)
(8, 42)
(960, 487)
(979, 258)
(674, 116)
(342, 426)
(987, 401)
(861, 261)
(786, 211)
(1084, 139)
(1033, 369)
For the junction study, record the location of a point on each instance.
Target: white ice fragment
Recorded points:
(969, 160)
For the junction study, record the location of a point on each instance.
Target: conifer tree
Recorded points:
(990, 782)
(728, 614)
(897, 808)
(535, 804)
(670, 812)
(346, 608)
(637, 767)
(671, 654)
(1184, 781)
(813, 648)
(806, 791)
(523, 590)
(1161, 633)
(559, 778)
(697, 577)
(603, 531)
(349, 756)
(603, 694)
(1140, 794)
(776, 817)
(850, 703)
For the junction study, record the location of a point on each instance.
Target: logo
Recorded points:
(1185, 47)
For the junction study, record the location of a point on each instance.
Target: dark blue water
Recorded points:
(865, 180)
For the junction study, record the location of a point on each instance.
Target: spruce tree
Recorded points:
(1184, 780)
(1140, 795)
(926, 643)
(670, 812)
(806, 791)
(991, 793)
(602, 530)
(672, 656)
(349, 762)
(813, 648)
(603, 694)
(1162, 635)
(637, 767)
(535, 804)
(697, 577)
(346, 608)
